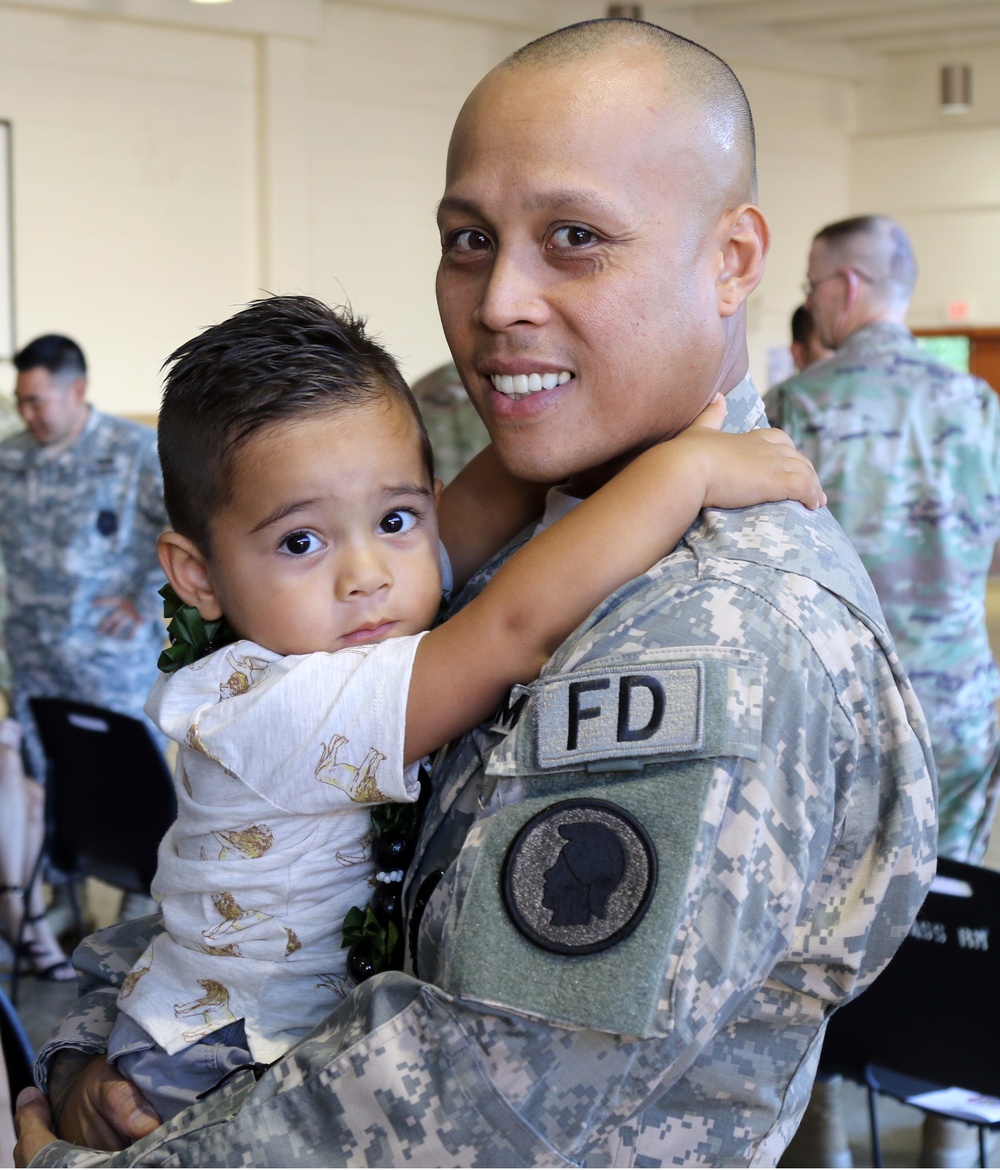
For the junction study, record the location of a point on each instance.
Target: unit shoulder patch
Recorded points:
(579, 876)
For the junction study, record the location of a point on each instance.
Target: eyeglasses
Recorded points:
(810, 286)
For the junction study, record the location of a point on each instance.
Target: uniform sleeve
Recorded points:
(102, 961)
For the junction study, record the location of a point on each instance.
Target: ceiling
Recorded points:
(867, 27)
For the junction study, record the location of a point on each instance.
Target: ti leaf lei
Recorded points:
(191, 637)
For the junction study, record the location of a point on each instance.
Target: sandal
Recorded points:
(46, 955)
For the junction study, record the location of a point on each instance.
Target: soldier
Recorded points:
(82, 506)
(723, 771)
(82, 503)
(908, 450)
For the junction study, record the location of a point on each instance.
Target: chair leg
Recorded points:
(873, 1122)
(982, 1146)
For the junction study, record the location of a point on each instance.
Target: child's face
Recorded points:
(330, 537)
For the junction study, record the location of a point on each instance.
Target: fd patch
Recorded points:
(579, 876)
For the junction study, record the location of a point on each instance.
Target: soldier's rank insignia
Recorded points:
(579, 876)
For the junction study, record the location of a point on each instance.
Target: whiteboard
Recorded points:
(6, 245)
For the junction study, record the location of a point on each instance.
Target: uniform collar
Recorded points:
(744, 408)
(46, 454)
(874, 334)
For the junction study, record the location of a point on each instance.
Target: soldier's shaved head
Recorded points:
(860, 270)
(877, 247)
(691, 73)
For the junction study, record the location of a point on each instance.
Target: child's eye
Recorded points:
(395, 522)
(299, 543)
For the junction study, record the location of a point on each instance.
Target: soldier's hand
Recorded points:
(122, 619)
(95, 1105)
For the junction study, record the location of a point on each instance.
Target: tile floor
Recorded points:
(41, 1004)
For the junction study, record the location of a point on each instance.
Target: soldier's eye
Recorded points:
(299, 543)
(573, 235)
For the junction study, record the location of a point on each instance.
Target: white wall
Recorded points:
(804, 125)
(939, 175)
(134, 192)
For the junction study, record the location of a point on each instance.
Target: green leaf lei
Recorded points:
(190, 636)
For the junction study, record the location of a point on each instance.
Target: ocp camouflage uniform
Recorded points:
(75, 527)
(726, 769)
(908, 451)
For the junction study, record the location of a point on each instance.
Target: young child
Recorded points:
(299, 482)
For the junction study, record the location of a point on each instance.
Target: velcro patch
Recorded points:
(641, 709)
(579, 876)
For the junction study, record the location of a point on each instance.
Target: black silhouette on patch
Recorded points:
(586, 873)
(107, 522)
(579, 876)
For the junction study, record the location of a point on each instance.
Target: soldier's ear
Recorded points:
(745, 238)
(186, 567)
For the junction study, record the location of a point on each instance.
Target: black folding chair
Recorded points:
(108, 797)
(931, 1020)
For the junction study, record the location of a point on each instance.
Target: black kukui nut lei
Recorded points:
(375, 934)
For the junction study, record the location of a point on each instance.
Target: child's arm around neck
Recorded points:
(482, 510)
(505, 635)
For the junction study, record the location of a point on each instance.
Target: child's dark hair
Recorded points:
(278, 359)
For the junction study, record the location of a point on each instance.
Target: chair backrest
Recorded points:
(18, 1055)
(934, 1012)
(108, 797)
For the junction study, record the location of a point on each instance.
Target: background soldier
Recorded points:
(806, 347)
(82, 506)
(734, 719)
(908, 450)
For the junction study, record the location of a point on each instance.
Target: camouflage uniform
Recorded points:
(10, 424)
(456, 431)
(732, 735)
(78, 526)
(909, 454)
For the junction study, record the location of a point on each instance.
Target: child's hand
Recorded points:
(741, 470)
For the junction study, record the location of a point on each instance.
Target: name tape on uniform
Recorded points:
(646, 709)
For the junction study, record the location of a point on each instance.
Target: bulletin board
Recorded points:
(7, 334)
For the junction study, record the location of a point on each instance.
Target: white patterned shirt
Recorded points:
(280, 759)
